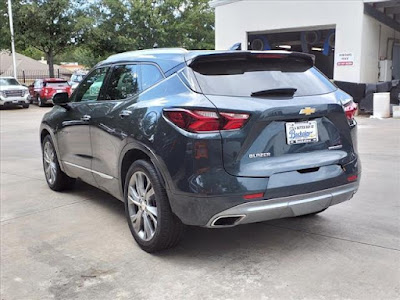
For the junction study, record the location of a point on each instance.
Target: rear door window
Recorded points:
(242, 77)
(123, 83)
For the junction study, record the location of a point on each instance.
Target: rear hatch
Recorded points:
(296, 121)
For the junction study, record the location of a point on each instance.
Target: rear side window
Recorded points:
(150, 76)
(242, 77)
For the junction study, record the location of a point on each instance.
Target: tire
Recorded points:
(154, 227)
(56, 179)
(39, 101)
(313, 214)
(26, 105)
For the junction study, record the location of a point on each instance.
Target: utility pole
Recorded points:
(12, 38)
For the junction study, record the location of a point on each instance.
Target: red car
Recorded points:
(42, 91)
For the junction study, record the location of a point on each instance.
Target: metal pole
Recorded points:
(12, 38)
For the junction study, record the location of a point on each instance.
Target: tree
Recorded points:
(123, 25)
(89, 31)
(47, 25)
(5, 39)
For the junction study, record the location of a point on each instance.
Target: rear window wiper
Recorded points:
(275, 92)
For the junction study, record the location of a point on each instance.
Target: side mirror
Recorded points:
(61, 99)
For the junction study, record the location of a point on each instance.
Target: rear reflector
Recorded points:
(352, 178)
(253, 196)
(205, 121)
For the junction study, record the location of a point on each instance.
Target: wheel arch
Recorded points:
(133, 152)
(44, 131)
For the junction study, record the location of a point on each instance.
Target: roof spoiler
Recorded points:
(237, 46)
(240, 55)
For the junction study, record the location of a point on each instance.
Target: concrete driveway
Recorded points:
(77, 245)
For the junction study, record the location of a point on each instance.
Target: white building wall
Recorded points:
(375, 46)
(235, 19)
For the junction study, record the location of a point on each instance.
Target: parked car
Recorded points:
(205, 138)
(12, 93)
(76, 78)
(42, 91)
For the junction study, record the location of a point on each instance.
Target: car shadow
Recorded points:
(206, 243)
(98, 197)
(11, 107)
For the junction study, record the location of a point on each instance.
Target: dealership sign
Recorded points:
(345, 59)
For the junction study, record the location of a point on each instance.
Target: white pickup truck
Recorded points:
(12, 93)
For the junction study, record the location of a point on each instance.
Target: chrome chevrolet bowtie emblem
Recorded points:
(307, 111)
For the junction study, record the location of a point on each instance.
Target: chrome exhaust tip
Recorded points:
(227, 221)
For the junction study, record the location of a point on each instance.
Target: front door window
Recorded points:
(89, 89)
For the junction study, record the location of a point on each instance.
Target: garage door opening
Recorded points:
(320, 43)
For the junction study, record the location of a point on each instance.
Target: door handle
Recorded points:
(86, 118)
(125, 113)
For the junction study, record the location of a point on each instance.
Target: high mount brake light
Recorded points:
(350, 109)
(270, 56)
(205, 121)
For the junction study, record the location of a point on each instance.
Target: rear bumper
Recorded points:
(284, 207)
(218, 193)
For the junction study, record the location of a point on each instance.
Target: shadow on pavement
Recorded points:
(204, 243)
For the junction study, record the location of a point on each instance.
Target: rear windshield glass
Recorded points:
(246, 76)
(56, 83)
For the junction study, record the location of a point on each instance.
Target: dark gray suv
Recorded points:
(205, 138)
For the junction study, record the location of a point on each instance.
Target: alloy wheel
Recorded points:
(142, 206)
(49, 161)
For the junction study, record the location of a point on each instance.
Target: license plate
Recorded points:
(15, 101)
(301, 132)
(59, 91)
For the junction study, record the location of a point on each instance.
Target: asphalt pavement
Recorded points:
(77, 245)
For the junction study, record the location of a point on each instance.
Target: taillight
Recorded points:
(204, 121)
(350, 109)
(233, 120)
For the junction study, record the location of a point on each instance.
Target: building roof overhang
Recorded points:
(386, 12)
